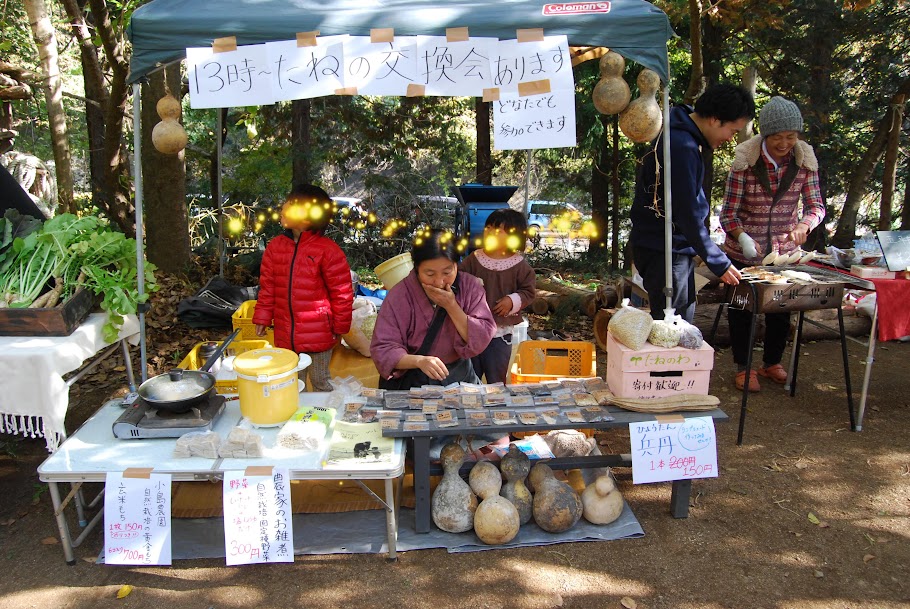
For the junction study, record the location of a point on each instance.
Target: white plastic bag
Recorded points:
(363, 320)
(665, 332)
(630, 326)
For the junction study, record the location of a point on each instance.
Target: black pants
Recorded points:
(650, 265)
(777, 326)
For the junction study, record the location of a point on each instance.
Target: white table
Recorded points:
(34, 396)
(93, 451)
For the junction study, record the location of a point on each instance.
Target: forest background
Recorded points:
(64, 99)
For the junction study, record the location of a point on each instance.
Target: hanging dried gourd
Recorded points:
(641, 120)
(611, 94)
(169, 136)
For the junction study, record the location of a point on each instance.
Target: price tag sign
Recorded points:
(257, 516)
(137, 519)
(666, 450)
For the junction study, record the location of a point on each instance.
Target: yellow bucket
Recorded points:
(267, 384)
(394, 269)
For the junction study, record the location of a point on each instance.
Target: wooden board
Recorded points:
(57, 321)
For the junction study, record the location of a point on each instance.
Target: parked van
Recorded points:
(545, 215)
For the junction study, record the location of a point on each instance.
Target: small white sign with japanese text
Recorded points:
(380, 68)
(455, 69)
(137, 520)
(257, 518)
(516, 62)
(233, 78)
(307, 72)
(664, 451)
(534, 121)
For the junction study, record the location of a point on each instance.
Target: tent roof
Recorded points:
(162, 30)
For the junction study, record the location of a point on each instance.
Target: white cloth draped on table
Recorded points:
(33, 395)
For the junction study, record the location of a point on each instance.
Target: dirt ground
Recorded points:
(804, 515)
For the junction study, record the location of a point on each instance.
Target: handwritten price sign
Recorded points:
(137, 519)
(664, 451)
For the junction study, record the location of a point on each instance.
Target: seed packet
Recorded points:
(372, 392)
(451, 401)
(494, 400)
(545, 400)
(566, 400)
(575, 416)
(451, 389)
(352, 407)
(519, 389)
(477, 418)
(527, 417)
(603, 396)
(471, 388)
(494, 388)
(375, 401)
(414, 418)
(595, 383)
(471, 401)
(368, 415)
(430, 406)
(397, 401)
(432, 392)
(584, 399)
(522, 401)
(415, 426)
(549, 416)
(389, 423)
(503, 417)
(446, 418)
(572, 385)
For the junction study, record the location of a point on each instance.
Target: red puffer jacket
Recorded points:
(305, 289)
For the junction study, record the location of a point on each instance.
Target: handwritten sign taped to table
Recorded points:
(454, 68)
(257, 518)
(137, 520)
(234, 78)
(534, 121)
(304, 72)
(663, 451)
(896, 248)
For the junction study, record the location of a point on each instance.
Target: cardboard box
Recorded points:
(871, 272)
(654, 372)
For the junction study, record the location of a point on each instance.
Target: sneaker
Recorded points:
(754, 387)
(776, 373)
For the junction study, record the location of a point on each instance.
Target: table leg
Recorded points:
(843, 348)
(128, 364)
(679, 498)
(796, 345)
(62, 527)
(391, 524)
(870, 357)
(794, 349)
(422, 508)
(742, 411)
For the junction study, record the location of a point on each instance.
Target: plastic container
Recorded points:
(548, 360)
(243, 318)
(394, 269)
(194, 360)
(267, 384)
(520, 332)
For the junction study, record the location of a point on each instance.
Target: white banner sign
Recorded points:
(233, 78)
(306, 72)
(515, 62)
(257, 518)
(454, 69)
(380, 68)
(673, 451)
(534, 121)
(137, 520)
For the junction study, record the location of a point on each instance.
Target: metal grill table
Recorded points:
(824, 290)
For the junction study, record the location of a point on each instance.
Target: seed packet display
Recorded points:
(595, 383)
(584, 399)
(596, 414)
(471, 388)
(446, 418)
(545, 401)
(477, 418)
(397, 400)
(503, 417)
(372, 392)
(452, 402)
(565, 400)
(414, 417)
(495, 388)
(430, 406)
(368, 415)
(522, 401)
(471, 401)
(549, 416)
(575, 416)
(573, 385)
(603, 396)
(415, 426)
(494, 400)
(528, 417)
(389, 423)
(519, 389)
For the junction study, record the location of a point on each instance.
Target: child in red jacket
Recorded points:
(305, 288)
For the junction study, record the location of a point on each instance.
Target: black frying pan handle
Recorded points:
(219, 351)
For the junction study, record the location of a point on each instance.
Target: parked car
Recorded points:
(353, 205)
(436, 209)
(554, 216)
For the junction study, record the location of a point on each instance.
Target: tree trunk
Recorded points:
(301, 165)
(905, 210)
(846, 224)
(712, 53)
(46, 41)
(600, 196)
(93, 81)
(484, 155)
(895, 116)
(164, 179)
(750, 76)
(697, 75)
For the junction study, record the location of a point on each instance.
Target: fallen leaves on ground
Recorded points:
(628, 602)
(868, 557)
(124, 591)
(50, 541)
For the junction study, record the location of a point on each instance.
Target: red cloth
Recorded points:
(892, 296)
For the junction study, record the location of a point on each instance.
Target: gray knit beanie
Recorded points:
(778, 115)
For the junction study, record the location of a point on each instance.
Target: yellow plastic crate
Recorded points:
(243, 319)
(548, 360)
(223, 386)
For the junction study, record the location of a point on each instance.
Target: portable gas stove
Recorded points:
(141, 420)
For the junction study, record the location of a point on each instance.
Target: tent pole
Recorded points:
(528, 183)
(221, 249)
(140, 253)
(668, 201)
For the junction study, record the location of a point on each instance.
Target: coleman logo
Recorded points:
(576, 8)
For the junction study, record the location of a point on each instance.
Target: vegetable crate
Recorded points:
(193, 361)
(656, 372)
(243, 319)
(61, 320)
(548, 360)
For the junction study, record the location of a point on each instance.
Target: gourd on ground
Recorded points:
(496, 520)
(515, 467)
(556, 507)
(642, 119)
(453, 504)
(602, 501)
(611, 94)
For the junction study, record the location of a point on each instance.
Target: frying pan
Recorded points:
(179, 389)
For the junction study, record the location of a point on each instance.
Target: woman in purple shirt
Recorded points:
(408, 310)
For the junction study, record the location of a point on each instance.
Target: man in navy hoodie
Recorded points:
(720, 112)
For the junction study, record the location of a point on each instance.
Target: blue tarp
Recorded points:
(162, 30)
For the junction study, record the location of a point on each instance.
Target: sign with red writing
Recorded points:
(576, 8)
(678, 450)
(137, 519)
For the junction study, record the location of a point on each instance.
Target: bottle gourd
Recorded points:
(602, 501)
(611, 94)
(515, 467)
(453, 504)
(642, 119)
(496, 519)
(557, 507)
(168, 136)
